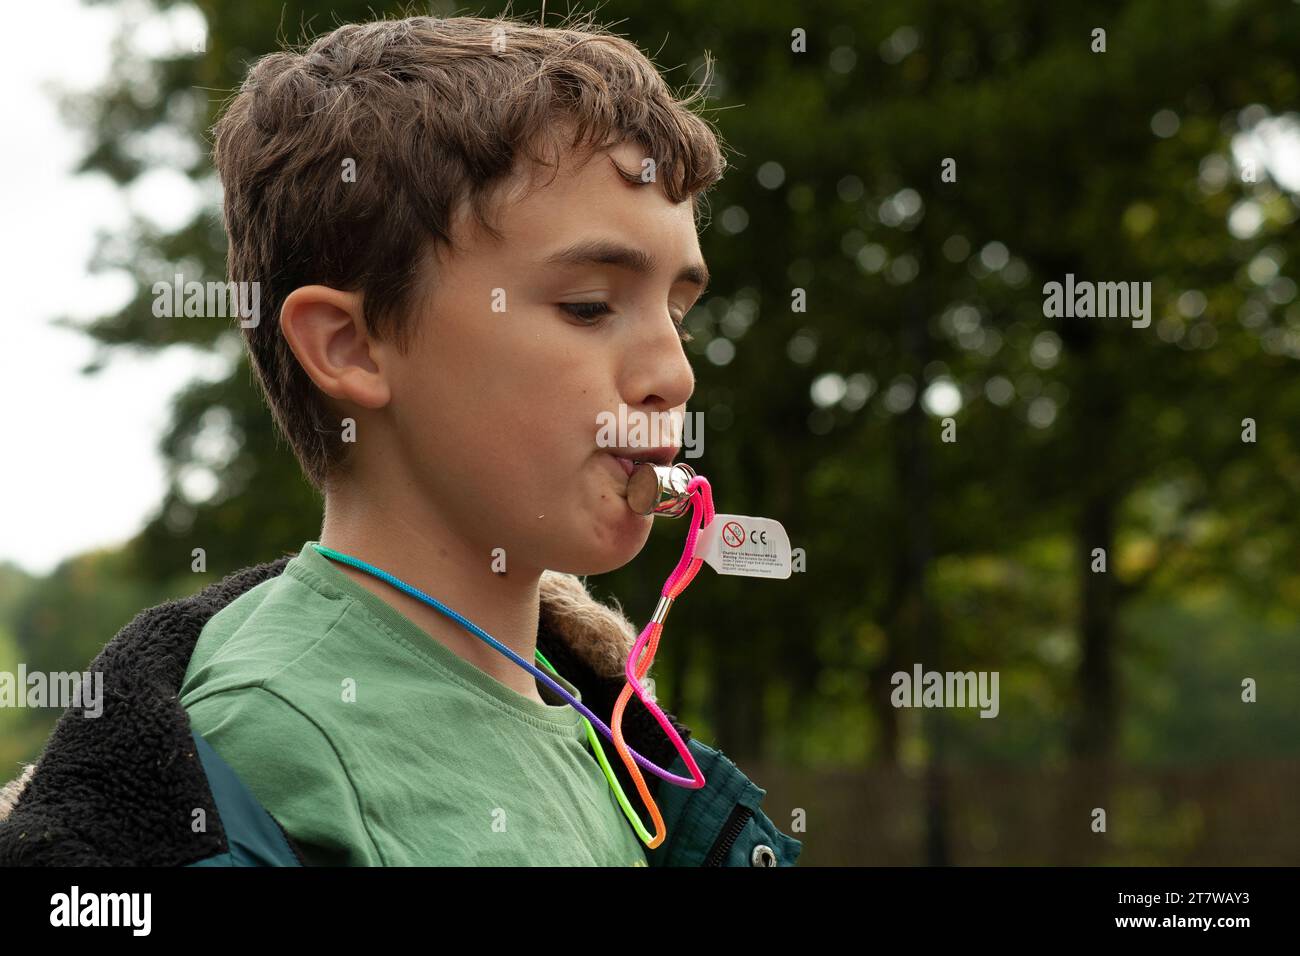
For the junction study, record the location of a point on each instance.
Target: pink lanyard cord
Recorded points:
(641, 657)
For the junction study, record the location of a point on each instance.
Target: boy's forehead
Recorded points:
(546, 207)
(584, 178)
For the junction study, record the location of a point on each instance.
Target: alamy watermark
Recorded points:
(76, 908)
(208, 300)
(1102, 300)
(946, 689)
(635, 429)
(61, 689)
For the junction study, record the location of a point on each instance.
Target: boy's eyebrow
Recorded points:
(610, 252)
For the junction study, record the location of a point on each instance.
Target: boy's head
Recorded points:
(434, 210)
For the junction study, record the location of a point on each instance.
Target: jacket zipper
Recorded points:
(736, 821)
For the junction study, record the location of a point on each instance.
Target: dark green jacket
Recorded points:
(136, 786)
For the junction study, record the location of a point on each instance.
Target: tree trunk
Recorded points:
(1096, 731)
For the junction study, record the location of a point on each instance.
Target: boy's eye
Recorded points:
(586, 311)
(589, 312)
(681, 329)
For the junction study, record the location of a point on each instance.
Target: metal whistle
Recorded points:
(659, 490)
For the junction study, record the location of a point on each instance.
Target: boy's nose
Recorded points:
(666, 380)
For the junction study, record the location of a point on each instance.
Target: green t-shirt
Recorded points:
(373, 744)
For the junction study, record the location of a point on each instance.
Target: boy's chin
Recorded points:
(591, 568)
(609, 553)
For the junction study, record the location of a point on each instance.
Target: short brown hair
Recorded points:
(433, 112)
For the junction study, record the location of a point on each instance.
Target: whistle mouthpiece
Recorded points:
(659, 490)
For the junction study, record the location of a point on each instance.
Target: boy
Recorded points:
(452, 224)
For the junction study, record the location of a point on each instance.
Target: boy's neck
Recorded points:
(419, 549)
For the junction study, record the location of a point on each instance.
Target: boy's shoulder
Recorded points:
(256, 634)
(105, 791)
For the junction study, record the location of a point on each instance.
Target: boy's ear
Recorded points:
(326, 329)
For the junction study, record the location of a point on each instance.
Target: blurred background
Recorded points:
(1172, 157)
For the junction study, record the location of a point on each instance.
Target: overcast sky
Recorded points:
(79, 466)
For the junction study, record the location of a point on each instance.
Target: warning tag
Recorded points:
(741, 544)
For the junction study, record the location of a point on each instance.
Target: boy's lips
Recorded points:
(628, 457)
(662, 455)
